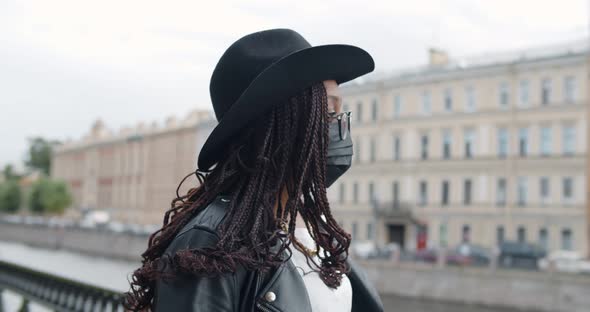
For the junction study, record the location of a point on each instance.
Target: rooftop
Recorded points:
(447, 64)
(99, 133)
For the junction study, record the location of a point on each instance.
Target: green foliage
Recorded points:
(39, 154)
(49, 196)
(10, 196)
(9, 173)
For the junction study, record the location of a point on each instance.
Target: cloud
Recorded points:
(65, 63)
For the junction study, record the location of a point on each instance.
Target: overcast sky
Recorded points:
(63, 64)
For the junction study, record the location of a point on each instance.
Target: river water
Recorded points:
(113, 274)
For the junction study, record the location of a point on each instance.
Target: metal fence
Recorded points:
(57, 293)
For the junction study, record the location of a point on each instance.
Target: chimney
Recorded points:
(437, 57)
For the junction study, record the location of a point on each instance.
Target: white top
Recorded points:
(322, 297)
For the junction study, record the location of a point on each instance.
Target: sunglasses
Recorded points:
(343, 120)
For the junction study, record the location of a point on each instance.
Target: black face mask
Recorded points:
(339, 155)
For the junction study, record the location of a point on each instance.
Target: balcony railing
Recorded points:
(398, 209)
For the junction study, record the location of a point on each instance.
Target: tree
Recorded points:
(10, 196)
(39, 155)
(9, 173)
(49, 196)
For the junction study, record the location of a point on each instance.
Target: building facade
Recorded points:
(132, 174)
(479, 150)
(482, 151)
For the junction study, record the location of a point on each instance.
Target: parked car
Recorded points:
(368, 250)
(428, 255)
(362, 249)
(520, 255)
(468, 254)
(462, 255)
(13, 219)
(93, 219)
(565, 261)
(116, 227)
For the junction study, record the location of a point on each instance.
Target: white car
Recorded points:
(565, 261)
(94, 219)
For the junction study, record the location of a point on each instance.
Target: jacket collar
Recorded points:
(284, 289)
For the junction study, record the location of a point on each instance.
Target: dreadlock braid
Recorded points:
(285, 149)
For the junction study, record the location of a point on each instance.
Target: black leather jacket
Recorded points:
(280, 290)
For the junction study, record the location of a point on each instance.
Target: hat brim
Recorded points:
(281, 80)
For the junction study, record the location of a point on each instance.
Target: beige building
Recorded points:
(134, 173)
(484, 149)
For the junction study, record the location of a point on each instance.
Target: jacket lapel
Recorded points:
(285, 291)
(364, 296)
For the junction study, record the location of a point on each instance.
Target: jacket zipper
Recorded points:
(262, 308)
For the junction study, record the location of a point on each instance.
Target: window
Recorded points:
(395, 191)
(469, 99)
(545, 91)
(426, 102)
(503, 95)
(500, 234)
(373, 147)
(545, 141)
(523, 141)
(544, 238)
(342, 192)
(355, 192)
(501, 192)
(354, 229)
(375, 109)
(569, 89)
(469, 138)
(568, 188)
(447, 141)
(569, 139)
(397, 145)
(465, 233)
(371, 191)
(397, 105)
(521, 234)
(566, 239)
(544, 189)
(359, 111)
(467, 192)
(523, 93)
(445, 193)
(502, 142)
(424, 146)
(423, 197)
(370, 231)
(522, 191)
(448, 98)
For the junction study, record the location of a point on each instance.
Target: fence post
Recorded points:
(1, 300)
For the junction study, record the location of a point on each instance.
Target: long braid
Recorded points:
(285, 148)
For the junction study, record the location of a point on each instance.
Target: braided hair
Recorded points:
(284, 150)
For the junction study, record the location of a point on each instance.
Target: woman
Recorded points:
(257, 234)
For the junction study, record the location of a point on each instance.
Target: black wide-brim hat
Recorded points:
(266, 68)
